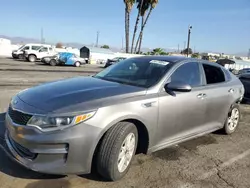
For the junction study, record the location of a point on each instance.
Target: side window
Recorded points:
(35, 47)
(50, 49)
(188, 73)
(44, 49)
(26, 48)
(213, 74)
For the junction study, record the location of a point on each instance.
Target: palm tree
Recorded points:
(128, 7)
(139, 7)
(158, 51)
(148, 3)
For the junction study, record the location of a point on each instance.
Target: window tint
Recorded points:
(188, 73)
(213, 74)
(35, 47)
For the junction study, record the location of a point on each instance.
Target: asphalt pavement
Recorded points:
(214, 160)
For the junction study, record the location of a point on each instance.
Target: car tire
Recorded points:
(232, 120)
(20, 56)
(32, 58)
(77, 64)
(53, 62)
(118, 144)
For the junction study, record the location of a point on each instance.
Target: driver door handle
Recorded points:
(201, 96)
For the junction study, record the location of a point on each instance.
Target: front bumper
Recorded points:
(69, 151)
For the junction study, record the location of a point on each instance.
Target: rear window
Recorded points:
(214, 75)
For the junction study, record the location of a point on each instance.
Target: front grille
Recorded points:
(22, 151)
(19, 117)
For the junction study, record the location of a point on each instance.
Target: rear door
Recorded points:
(218, 95)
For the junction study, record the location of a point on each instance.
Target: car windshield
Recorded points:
(135, 71)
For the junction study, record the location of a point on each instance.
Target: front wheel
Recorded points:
(77, 64)
(233, 119)
(117, 150)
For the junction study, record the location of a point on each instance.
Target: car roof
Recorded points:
(174, 59)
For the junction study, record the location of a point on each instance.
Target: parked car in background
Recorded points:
(51, 60)
(245, 79)
(245, 70)
(67, 58)
(139, 105)
(19, 53)
(113, 61)
(33, 55)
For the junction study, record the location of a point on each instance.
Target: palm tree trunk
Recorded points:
(136, 26)
(135, 30)
(140, 40)
(142, 28)
(127, 29)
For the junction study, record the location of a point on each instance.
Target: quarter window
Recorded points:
(188, 73)
(213, 74)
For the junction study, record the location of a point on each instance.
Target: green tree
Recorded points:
(195, 55)
(128, 7)
(158, 51)
(105, 46)
(147, 4)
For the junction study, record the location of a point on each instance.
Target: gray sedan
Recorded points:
(139, 105)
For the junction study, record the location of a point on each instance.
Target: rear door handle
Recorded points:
(231, 90)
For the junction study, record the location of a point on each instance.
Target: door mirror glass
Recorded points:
(178, 86)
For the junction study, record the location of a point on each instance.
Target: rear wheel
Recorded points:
(117, 150)
(53, 62)
(32, 58)
(233, 119)
(77, 64)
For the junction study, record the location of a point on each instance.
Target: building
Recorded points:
(95, 54)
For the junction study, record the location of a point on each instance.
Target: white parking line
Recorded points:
(224, 165)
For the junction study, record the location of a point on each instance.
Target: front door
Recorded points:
(182, 113)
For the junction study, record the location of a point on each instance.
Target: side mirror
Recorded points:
(178, 86)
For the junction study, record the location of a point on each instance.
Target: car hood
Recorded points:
(77, 94)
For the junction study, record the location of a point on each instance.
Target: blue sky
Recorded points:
(218, 25)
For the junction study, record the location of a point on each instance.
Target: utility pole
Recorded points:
(42, 41)
(122, 44)
(97, 39)
(189, 32)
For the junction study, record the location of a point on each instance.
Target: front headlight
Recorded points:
(46, 124)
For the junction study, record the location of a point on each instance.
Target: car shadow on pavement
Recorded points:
(11, 168)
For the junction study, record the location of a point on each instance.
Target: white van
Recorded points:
(19, 53)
